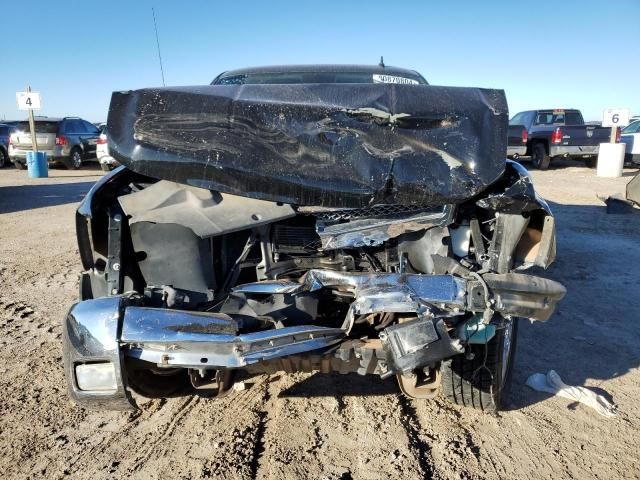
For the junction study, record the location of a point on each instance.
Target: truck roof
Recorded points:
(552, 110)
(324, 68)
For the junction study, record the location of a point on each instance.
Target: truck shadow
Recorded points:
(26, 197)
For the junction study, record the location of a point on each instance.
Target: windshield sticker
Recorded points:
(378, 78)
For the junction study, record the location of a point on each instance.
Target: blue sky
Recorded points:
(581, 54)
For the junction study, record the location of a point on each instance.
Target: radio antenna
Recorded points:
(381, 64)
(153, 12)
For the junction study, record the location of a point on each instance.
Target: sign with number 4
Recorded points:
(615, 117)
(28, 100)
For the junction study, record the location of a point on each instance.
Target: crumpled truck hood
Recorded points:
(329, 145)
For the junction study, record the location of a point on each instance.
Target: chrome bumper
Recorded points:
(106, 330)
(91, 336)
(573, 151)
(519, 151)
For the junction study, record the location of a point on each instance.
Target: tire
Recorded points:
(591, 162)
(19, 165)
(4, 158)
(74, 161)
(483, 381)
(539, 157)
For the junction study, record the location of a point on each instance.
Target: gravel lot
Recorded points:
(314, 426)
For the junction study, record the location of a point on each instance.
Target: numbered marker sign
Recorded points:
(615, 117)
(28, 100)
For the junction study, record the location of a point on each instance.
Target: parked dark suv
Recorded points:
(69, 140)
(5, 132)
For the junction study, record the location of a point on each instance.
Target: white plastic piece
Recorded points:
(460, 240)
(239, 386)
(552, 383)
(96, 377)
(610, 159)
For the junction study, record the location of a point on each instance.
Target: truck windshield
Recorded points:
(318, 77)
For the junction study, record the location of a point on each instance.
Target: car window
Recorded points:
(517, 120)
(41, 127)
(70, 126)
(632, 127)
(81, 127)
(549, 118)
(573, 118)
(91, 128)
(74, 126)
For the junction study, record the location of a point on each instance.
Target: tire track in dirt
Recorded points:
(201, 437)
(453, 447)
(166, 430)
(421, 448)
(322, 426)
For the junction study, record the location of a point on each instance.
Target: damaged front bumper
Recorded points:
(100, 333)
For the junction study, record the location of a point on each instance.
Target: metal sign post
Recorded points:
(32, 127)
(30, 101)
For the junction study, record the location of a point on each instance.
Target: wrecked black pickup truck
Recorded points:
(318, 218)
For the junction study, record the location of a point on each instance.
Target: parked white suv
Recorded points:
(107, 162)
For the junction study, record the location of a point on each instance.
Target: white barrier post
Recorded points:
(611, 155)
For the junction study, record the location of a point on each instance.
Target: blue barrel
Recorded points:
(37, 164)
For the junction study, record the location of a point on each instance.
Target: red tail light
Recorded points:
(617, 134)
(525, 136)
(556, 136)
(102, 139)
(61, 140)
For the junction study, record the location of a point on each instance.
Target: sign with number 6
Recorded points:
(28, 100)
(615, 117)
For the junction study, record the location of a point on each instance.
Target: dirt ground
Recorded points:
(326, 427)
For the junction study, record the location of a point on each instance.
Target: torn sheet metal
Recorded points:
(206, 213)
(514, 193)
(375, 292)
(375, 231)
(517, 294)
(332, 145)
(509, 293)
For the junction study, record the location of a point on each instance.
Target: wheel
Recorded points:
(482, 382)
(4, 158)
(74, 161)
(105, 166)
(539, 157)
(19, 165)
(591, 162)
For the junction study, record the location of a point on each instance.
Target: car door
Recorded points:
(631, 137)
(90, 138)
(72, 130)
